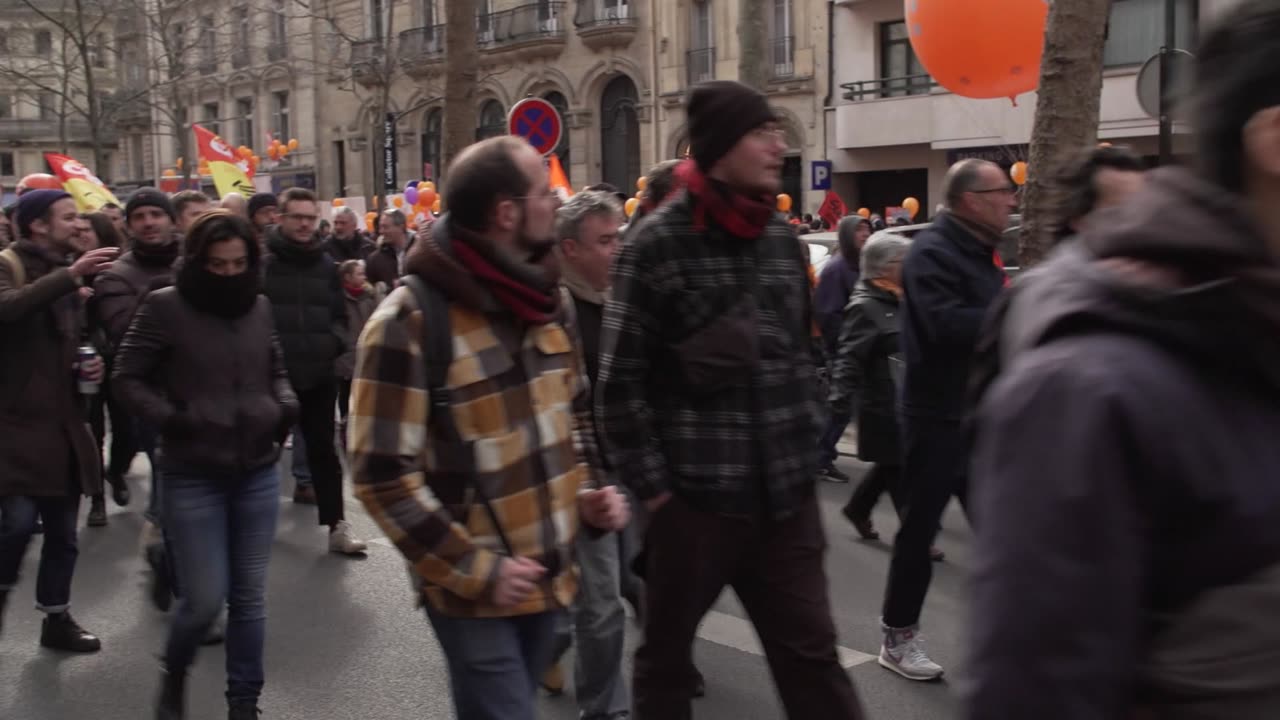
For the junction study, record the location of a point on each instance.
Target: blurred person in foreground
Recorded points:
(708, 404)
(1125, 491)
(201, 362)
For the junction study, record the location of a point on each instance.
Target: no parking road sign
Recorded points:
(537, 121)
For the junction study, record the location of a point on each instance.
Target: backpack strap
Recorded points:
(437, 351)
(19, 271)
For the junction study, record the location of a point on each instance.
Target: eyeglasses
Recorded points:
(300, 218)
(769, 132)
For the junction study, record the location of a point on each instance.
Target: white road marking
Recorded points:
(732, 631)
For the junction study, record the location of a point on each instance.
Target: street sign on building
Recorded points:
(389, 154)
(537, 121)
(820, 174)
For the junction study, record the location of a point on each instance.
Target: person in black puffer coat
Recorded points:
(201, 362)
(305, 289)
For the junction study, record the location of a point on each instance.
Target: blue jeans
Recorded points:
(298, 459)
(495, 663)
(220, 529)
(827, 451)
(57, 555)
(600, 628)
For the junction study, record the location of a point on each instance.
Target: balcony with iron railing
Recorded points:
(422, 51)
(368, 62)
(605, 23)
(888, 87)
(782, 58)
(76, 128)
(526, 32)
(701, 65)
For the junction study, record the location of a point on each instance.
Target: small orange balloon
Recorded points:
(1009, 34)
(426, 185)
(255, 159)
(428, 196)
(1018, 171)
(435, 206)
(642, 183)
(864, 213)
(631, 206)
(784, 203)
(339, 202)
(397, 201)
(911, 205)
(179, 163)
(169, 172)
(293, 144)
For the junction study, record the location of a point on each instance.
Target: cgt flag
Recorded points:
(559, 181)
(89, 192)
(229, 175)
(833, 208)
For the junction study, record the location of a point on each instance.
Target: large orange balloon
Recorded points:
(912, 206)
(979, 48)
(784, 203)
(1018, 171)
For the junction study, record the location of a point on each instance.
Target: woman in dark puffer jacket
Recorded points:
(202, 363)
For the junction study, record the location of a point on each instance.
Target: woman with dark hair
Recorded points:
(201, 361)
(98, 231)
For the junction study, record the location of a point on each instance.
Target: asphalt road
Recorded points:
(344, 641)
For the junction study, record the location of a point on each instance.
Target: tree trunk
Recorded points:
(753, 42)
(460, 78)
(1067, 108)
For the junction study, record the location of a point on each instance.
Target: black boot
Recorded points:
(243, 710)
(119, 490)
(98, 512)
(61, 632)
(173, 689)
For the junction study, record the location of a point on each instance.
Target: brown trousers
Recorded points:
(775, 567)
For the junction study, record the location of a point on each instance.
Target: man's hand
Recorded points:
(85, 293)
(94, 262)
(605, 509)
(652, 504)
(517, 578)
(93, 370)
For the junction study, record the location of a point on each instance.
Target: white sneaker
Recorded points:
(342, 540)
(903, 652)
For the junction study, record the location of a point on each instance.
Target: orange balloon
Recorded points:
(631, 206)
(427, 197)
(169, 172)
(864, 213)
(38, 181)
(979, 48)
(911, 205)
(1018, 171)
(397, 201)
(339, 202)
(426, 185)
(435, 206)
(293, 144)
(641, 183)
(255, 159)
(784, 203)
(179, 163)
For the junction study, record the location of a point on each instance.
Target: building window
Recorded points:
(280, 114)
(6, 107)
(44, 43)
(562, 148)
(7, 167)
(492, 120)
(1135, 30)
(137, 157)
(620, 133)
(429, 13)
(377, 19)
(4, 42)
(901, 72)
(48, 106)
(207, 49)
(209, 118)
(340, 154)
(98, 51)
(240, 25)
(782, 42)
(177, 50)
(432, 135)
(244, 121)
(702, 53)
(131, 61)
(279, 24)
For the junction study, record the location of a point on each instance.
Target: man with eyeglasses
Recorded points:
(305, 290)
(950, 278)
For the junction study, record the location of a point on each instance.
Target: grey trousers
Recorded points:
(599, 628)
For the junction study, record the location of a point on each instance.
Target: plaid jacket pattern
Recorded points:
(743, 446)
(519, 415)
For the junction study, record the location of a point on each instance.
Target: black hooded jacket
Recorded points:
(1126, 474)
(305, 290)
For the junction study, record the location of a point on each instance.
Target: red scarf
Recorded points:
(355, 290)
(529, 304)
(742, 216)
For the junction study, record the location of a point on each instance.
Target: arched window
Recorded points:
(562, 149)
(492, 120)
(620, 133)
(431, 139)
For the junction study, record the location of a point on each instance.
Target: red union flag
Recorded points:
(89, 192)
(229, 172)
(833, 208)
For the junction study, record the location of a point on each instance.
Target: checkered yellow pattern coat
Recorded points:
(520, 400)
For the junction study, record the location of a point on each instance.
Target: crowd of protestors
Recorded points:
(553, 414)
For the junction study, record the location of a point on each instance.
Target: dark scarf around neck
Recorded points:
(741, 215)
(157, 255)
(528, 289)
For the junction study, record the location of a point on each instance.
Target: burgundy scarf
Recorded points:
(742, 216)
(528, 303)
